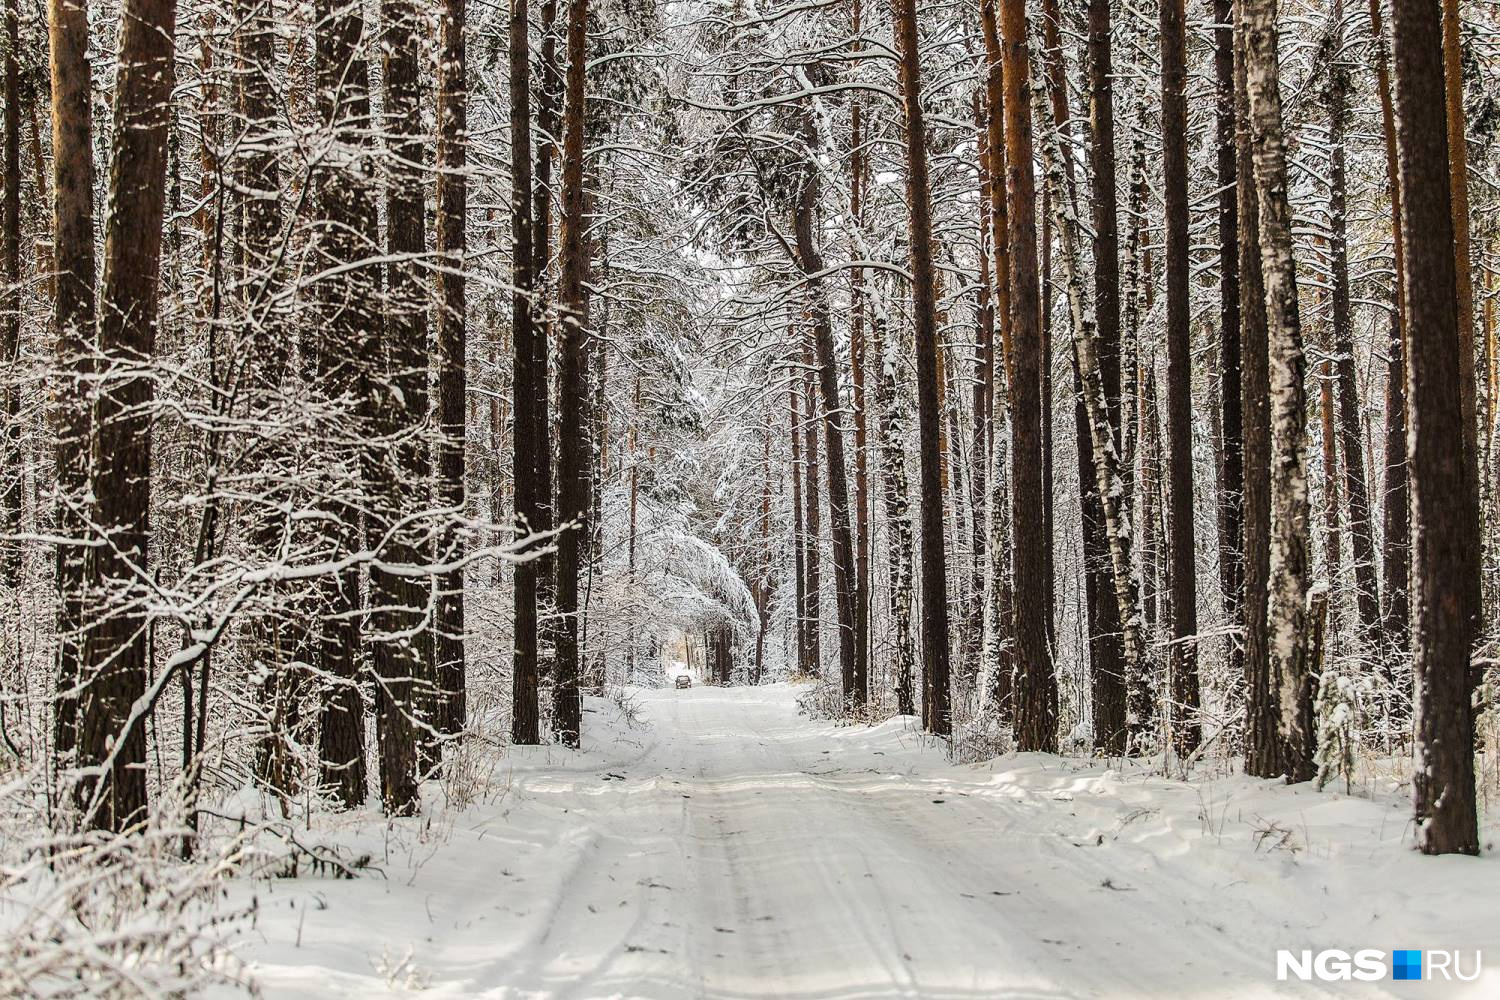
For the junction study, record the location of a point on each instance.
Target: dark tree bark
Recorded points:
(1105, 651)
(1036, 685)
(549, 95)
(398, 402)
(1458, 179)
(10, 298)
(452, 349)
(1287, 609)
(351, 330)
(275, 640)
(1231, 509)
(811, 262)
(857, 180)
(1396, 621)
(1087, 367)
(1183, 725)
(936, 714)
(574, 465)
(530, 455)
(1263, 754)
(799, 536)
(1003, 608)
(112, 735)
(812, 537)
(981, 583)
(74, 335)
(1445, 549)
(1055, 71)
(1350, 425)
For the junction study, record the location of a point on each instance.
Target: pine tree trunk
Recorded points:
(1396, 625)
(936, 713)
(347, 229)
(1458, 175)
(112, 735)
(1332, 537)
(1351, 427)
(1458, 168)
(1287, 610)
(549, 92)
(573, 466)
(1003, 607)
(398, 401)
(1445, 549)
(1183, 725)
(810, 259)
(857, 181)
(452, 351)
(530, 455)
(10, 300)
(257, 181)
(74, 335)
(1263, 754)
(799, 534)
(981, 561)
(1106, 653)
(1036, 685)
(1231, 508)
(812, 521)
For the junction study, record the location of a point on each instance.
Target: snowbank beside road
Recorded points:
(727, 847)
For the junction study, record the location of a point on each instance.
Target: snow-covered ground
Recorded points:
(724, 846)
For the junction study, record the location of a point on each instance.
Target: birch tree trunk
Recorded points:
(894, 414)
(1106, 457)
(1288, 623)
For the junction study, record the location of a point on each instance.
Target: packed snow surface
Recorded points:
(720, 845)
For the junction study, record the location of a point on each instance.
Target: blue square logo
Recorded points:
(1406, 965)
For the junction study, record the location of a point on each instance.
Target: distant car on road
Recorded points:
(684, 681)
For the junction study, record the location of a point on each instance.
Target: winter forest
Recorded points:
(745, 498)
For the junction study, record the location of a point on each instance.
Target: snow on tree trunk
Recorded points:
(1287, 606)
(935, 652)
(1106, 454)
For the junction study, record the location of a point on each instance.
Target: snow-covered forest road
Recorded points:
(725, 846)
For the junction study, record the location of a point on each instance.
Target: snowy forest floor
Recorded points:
(714, 843)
